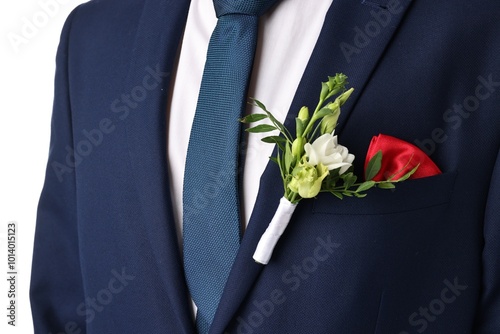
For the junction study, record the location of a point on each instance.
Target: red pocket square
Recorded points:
(398, 158)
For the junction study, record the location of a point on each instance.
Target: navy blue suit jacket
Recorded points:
(422, 258)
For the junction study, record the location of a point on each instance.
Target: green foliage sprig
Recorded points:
(313, 161)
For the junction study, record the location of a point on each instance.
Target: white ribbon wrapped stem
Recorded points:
(274, 231)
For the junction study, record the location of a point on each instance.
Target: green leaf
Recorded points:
(358, 195)
(407, 175)
(280, 141)
(259, 104)
(342, 98)
(261, 128)
(331, 180)
(373, 166)
(273, 159)
(349, 180)
(278, 124)
(253, 118)
(365, 186)
(337, 194)
(288, 157)
(386, 185)
(325, 89)
(273, 119)
(348, 194)
(274, 139)
(300, 126)
(325, 111)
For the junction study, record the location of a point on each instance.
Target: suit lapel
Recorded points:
(156, 43)
(245, 270)
(353, 38)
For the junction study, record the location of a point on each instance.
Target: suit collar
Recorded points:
(156, 43)
(353, 38)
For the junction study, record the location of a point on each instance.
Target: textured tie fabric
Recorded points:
(211, 215)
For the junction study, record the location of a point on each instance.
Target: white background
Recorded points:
(26, 91)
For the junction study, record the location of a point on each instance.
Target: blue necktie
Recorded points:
(211, 223)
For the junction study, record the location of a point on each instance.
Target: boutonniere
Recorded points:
(313, 161)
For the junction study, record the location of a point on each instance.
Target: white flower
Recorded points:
(327, 151)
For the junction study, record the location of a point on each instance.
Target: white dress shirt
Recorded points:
(287, 36)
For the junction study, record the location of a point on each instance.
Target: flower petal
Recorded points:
(325, 150)
(311, 154)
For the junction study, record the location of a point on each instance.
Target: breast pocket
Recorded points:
(414, 216)
(387, 241)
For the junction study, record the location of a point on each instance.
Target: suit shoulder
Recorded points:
(99, 24)
(109, 8)
(100, 16)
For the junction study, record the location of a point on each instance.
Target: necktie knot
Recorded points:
(245, 7)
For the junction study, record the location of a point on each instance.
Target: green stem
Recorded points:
(313, 119)
(355, 185)
(316, 130)
(285, 133)
(294, 198)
